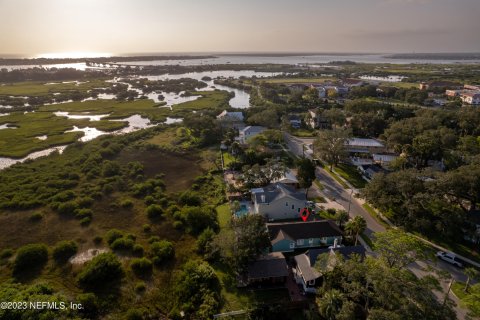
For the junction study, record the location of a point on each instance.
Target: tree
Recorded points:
(330, 304)
(251, 240)
(355, 227)
(397, 248)
(101, 272)
(197, 290)
(471, 274)
(305, 173)
(330, 145)
(142, 267)
(258, 175)
(341, 217)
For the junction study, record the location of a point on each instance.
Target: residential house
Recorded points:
(308, 276)
(231, 119)
(322, 91)
(295, 121)
(316, 121)
(440, 84)
(369, 171)
(288, 179)
(361, 145)
(278, 202)
(353, 82)
(472, 87)
(470, 97)
(249, 132)
(271, 268)
(289, 236)
(384, 159)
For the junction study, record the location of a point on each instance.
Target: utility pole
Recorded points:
(350, 202)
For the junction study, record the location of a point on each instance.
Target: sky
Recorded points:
(40, 27)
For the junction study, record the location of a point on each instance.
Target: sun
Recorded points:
(73, 55)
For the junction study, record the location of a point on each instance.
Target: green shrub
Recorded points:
(97, 240)
(190, 198)
(6, 253)
(204, 239)
(83, 213)
(140, 287)
(131, 236)
(36, 216)
(149, 200)
(138, 250)
(126, 204)
(85, 202)
(153, 239)
(122, 244)
(107, 188)
(30, 257)
(63, 250)
(89, 303)
(85, 221)
(154, 211)
(162, 251)
(112, 235)
(103, 270)
(134, 314)
(67, 208)
(178, 225)
(147, 228)
(142, 267)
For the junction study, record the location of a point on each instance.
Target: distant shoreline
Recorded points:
(47, 61)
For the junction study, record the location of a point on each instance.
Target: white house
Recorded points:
(278, 202)
(249, 132)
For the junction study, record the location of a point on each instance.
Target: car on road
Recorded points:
(449, 257)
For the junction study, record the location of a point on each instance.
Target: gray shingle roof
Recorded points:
(276, 191)
(303, 265)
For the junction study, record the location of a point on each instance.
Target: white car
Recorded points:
(448, 257)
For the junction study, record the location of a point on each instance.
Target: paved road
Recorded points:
(334, 191)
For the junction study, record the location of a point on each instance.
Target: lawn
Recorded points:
(470, 299)
(224, 215)
(375, 215)
(303, 133)
(351, 174)
(227, 158)
(335, 176)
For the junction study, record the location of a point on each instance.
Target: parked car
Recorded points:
(449, 257)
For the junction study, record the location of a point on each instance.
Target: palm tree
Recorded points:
(341, 217)
(355, 227)
(330, 304)
(471, 273)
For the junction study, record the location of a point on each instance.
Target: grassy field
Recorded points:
(351, 174)
(17, 228)
(40, 88)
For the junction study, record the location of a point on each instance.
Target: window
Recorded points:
(298, 210)
(300, 242)
(286, 204)
(310, 241)
(293, 206)
(292, 245)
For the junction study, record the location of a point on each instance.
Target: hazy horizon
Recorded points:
(124, 27)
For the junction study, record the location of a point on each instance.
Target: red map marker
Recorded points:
(304, 214)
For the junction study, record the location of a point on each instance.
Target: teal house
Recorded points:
(290, 236)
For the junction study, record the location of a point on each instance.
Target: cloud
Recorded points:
(418, 32)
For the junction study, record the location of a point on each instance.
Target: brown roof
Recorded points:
(272, 265)
(303, 230)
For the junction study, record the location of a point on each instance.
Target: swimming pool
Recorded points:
(243, 211)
